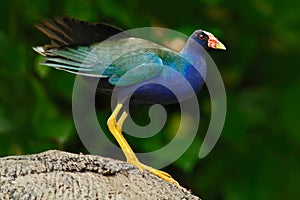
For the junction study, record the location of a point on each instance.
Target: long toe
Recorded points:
(156, 172)
(161, 174)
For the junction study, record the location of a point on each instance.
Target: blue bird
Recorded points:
(125, 63)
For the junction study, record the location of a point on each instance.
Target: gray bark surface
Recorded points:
(60, 175)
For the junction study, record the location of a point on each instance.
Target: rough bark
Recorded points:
(61, 175)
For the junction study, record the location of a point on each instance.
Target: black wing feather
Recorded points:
(67, 31)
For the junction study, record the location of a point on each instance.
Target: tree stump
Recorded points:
(60, 175)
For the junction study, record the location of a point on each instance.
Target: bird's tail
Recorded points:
(70, 45)
(79, 60)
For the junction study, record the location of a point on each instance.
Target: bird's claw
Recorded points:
(163, 175)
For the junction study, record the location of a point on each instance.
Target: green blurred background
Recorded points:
(258, 154)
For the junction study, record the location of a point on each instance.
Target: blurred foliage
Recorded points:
(258, 154)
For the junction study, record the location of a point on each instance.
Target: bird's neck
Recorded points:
(193, 51)
(195, 54)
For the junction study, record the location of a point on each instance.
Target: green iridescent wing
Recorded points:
(134, 67)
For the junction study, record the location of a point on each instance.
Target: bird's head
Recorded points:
(207, 40)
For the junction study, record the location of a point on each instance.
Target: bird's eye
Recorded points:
(201, 36)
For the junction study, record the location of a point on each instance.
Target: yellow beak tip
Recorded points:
(220, 46)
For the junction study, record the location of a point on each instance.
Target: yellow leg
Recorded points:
(121, 121)
(116, 129)
(112, 126)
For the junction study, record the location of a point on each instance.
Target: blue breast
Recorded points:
(169, 87)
